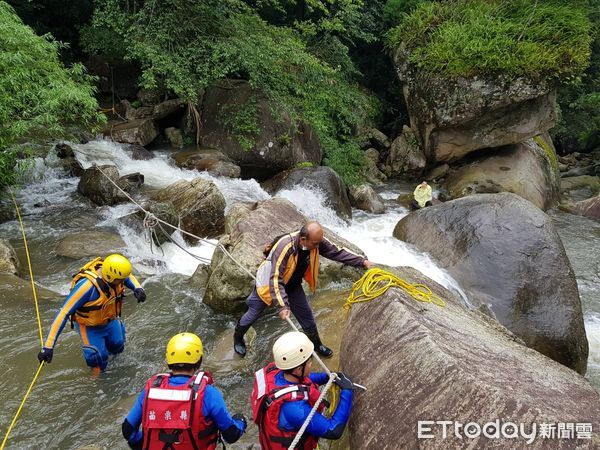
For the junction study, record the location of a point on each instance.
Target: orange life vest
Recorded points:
(107, 306)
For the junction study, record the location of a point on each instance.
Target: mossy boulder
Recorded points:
(528, 169)
(454, 117)
(240, 122)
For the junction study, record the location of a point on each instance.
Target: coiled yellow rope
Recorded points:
(37, 374)
(375, 282)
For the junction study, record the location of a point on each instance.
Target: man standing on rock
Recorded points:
(290, 259)
(94, 304)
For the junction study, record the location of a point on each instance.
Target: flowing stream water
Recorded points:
(70, 408)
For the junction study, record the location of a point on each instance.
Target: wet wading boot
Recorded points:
(313, 335)
(239, 346)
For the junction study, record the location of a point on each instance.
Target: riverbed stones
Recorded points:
(325, 180)
(249, 228)
(9, 261)
(196, 206)
(505, 253)
(274, 142)
(90, 244)
(421, 362)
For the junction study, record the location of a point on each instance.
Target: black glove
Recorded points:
(241, 418)
(45, 355)
(140, 294)
(343, 381)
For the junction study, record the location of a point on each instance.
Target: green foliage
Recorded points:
(38, 95)
(304, 165)
(579, 124)
(512, 37)
(187, 45)
(394, 10)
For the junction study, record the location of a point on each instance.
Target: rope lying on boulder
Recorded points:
(375, 282)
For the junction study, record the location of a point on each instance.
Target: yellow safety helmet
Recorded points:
(184, 348)
(115, 267)
(291, 350)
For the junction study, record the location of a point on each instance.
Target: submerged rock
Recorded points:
(505, 253)
(90, 244)
(17, 290)
(421, 362)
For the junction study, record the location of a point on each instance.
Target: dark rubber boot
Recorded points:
(239, 346)
(313, 335)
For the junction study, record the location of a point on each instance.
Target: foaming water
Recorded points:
(372, 233)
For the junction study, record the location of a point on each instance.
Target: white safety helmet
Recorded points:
(291, 350)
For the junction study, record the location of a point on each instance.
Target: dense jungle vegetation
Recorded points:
(323, 61)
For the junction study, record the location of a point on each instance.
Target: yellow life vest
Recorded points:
(107, 306)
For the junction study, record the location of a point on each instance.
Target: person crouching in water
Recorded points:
(285, 392)
(94, 305)
(422, 196)
(181, 410)
(292, 258)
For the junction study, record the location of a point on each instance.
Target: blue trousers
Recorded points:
(99, 342)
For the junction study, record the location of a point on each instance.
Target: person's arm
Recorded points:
(132, 283)
(331, 251)
(83, 292)
(295, 413)
(319, 378)
(214, 407)
(131, 425)
(279, 258)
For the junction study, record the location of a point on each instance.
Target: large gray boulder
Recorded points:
(453, 117)
(421, 362)
(528, 169)
(9, 261)
(322, 178)
(94, 185)
(91, 244)
(248, 228)
(196, 206)
(506, 255)
(277, 144)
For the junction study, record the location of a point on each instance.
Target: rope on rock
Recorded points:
(39, 322)
(375, 282)
(159, 220)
